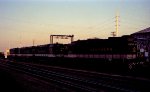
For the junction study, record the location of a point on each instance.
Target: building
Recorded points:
(143, 42)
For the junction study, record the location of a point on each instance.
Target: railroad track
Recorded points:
(78, 80)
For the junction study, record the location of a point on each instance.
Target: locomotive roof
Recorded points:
(100, 40)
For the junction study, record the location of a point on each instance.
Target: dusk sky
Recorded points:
(22, 21)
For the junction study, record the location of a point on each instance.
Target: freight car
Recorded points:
(112, 48)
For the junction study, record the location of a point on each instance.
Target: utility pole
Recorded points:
(33, 42)
(19, 45)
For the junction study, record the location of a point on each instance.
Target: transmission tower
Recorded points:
(115, 33)
(117, 23)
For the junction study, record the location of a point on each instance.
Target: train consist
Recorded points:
(113, 48)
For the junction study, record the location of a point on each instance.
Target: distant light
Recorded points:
(7, 52)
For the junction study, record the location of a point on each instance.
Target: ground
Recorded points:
(12, 81)
(8, 83)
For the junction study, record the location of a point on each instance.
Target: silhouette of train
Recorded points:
(113, 48)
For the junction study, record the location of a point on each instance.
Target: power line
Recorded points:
(104, 25)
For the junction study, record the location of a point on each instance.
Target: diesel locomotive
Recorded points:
(113, 48)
